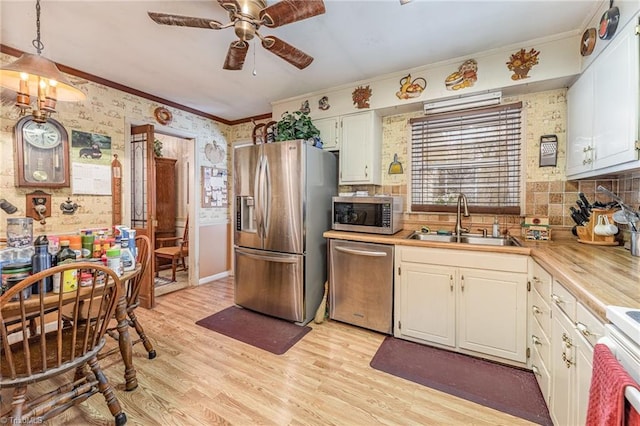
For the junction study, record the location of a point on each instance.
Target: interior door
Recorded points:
(143, 206)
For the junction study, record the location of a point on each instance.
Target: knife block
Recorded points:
(587, 235)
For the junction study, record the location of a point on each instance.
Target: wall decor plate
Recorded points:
(163, 115)
(609, 22)
(588, 42)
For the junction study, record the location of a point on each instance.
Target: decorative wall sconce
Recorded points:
(395, 168)
(68, 207)
(42, 76)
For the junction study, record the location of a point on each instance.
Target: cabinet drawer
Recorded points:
(464, 258)
(588, 324)
(564, 300)
(539, 341)
(541, 312)
(541, 281)
(541, 373)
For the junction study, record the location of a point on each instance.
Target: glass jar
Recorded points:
(19, 232)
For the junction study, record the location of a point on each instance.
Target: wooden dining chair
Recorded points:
(38, 345)
(177, 252)
(143, 257)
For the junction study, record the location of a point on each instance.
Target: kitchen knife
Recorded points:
(585, 201)
(577, 216)
(583, 209)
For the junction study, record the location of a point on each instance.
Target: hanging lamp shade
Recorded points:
(31, 68)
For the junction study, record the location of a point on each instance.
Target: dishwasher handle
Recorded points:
(361, 252)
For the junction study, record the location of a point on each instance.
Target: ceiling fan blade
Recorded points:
(235, 55)
(230, 5)
(288, 11)
(294, 56)
(184, 21)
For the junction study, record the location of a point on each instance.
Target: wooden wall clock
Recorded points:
(41, 154)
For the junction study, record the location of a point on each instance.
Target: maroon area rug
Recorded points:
(264, 332)
(501, 387)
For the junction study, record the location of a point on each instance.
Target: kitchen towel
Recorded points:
(606, 395)
(268, 333)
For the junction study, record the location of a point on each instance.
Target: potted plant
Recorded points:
(296, 125)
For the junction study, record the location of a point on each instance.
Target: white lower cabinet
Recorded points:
(574, 332)
(472, 302)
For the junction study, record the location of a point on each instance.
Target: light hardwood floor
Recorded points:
(204, 378)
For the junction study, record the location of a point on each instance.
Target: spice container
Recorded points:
(26, 292)
(113, 261)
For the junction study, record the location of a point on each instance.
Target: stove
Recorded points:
(627, 320)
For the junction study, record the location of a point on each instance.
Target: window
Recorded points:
(475, 152)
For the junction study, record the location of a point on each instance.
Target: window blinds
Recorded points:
(474, 152)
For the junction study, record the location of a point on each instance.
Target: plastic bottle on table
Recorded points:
(70, 278)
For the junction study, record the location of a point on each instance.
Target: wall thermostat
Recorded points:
(548, 150)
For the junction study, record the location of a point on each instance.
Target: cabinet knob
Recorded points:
(536, 310)
(535, 340)
(535, 370)
(557, 299)
(584, 330)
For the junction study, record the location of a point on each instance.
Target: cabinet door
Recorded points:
(584, 365)
(328, 133)
(580, 124)
(492, 316)
(359, 150)
(615, 123)
(427, 303)
(562, 369)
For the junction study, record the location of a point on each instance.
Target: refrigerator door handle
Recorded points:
(257, 196)
(266, 205)
(273, 259)
(361, 252)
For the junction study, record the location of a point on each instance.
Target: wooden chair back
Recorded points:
(38, 344)
(143, 257)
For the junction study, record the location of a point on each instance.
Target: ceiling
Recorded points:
(354, 40)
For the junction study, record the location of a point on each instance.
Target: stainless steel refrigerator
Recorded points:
(282, 207)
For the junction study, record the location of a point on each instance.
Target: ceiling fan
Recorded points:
(246, 17)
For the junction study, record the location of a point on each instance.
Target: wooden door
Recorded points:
(143, 204)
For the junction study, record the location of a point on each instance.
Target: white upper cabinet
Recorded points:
(329, 133)
(603, 110)
(360, 149)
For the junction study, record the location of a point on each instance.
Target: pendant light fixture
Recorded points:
(39, 75)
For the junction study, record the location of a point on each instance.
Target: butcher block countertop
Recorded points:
(596, 275)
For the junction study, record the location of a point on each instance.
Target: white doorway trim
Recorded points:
(193, 185)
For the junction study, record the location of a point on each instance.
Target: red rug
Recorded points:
(498, 386)
(262, 331)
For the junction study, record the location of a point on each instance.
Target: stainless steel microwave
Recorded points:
(377, 214)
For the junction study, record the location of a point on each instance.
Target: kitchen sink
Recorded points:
(465, 239)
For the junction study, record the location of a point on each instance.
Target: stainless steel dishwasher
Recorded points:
(361, 284)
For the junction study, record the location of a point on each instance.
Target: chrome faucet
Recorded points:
(462, 201)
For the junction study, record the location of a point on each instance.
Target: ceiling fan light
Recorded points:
(244, 30)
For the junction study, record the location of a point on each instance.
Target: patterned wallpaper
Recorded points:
(106, 111)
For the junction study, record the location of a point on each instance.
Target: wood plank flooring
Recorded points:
(204, 378)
